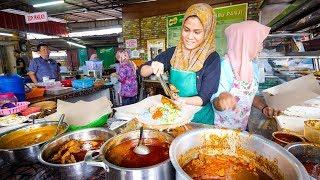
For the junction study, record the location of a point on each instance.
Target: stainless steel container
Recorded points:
(77, 170)
(30, 153)
(161, 171)
(288, 166)
(305, 152)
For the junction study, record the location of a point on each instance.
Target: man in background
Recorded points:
(43, 66)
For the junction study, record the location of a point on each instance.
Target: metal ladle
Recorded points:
(59, 124)
(140, 148)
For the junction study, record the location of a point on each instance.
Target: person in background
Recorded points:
(43, 66)
(239, 77)
(20, 63)
(194, 64)
(127, 78)
(94, 57)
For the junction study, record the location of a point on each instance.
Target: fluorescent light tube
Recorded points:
(5, 34)
(75, 44)
(48, 4)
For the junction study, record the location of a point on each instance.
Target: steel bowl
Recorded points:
(79, 170)
(29, 153)
(279, 162)
(305, 152)
(163, 170)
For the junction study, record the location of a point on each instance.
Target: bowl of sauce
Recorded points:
(285, 138)
(118, 150)
(308, 155)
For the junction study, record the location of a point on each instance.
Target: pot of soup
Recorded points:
(23, 144)
(65, 155)
(121, 162)
(229, 154)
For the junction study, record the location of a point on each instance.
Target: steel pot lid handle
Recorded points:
(95, 161)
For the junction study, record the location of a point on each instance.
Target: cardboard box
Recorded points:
(292, 93)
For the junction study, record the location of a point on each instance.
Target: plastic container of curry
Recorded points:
(23, 144)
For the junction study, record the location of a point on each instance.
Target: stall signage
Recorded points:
(174, 25)
(131, 43)
(36, 17)
(224, 16)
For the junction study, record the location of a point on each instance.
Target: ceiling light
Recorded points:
(5, 34)
(114, 30)
(76, 44)
(40, 36)
(48, 4)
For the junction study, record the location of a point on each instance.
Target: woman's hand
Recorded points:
(157, 68)
(225, 101)
(269, 112)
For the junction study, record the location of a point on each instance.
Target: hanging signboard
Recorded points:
(36, 17)
(224, 16)
(131, 43)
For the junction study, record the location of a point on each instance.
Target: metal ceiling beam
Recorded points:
(17, 4)
(89, 9)
(103, 5)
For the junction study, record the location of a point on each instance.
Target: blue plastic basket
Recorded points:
(82, 83)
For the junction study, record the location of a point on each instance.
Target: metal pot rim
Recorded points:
(298, 166)
(109, 164)
(30, 125)
(291, 145)
(41, 160)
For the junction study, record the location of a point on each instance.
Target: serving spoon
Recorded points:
(59, 124)
(140, 148)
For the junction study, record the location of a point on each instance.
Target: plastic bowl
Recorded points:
(96, 123)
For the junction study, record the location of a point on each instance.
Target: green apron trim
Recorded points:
(205, 115)
(184, 81)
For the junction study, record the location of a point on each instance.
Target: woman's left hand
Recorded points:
(270, 112)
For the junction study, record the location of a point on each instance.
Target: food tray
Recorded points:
(58, 90)
(19, 107)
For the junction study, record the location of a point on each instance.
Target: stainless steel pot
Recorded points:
(305, 152)
(288, 166)
(77, 170)
(30, 153)
(163, 170)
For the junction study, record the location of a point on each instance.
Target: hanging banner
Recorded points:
(174, 25)
(224, 16)
(36, 17)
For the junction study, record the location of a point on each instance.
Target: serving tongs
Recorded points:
(165, 87)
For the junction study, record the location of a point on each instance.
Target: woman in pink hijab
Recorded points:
(238, 84)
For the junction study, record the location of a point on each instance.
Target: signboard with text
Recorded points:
(225, 16)
(131, 43)
(36, 17)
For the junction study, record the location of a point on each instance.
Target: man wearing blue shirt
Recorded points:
(43, 66)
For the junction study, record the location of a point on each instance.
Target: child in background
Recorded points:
(127, 78)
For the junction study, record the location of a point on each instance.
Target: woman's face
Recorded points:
(192, 33)
(122, 56)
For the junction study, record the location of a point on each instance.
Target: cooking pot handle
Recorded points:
(95, 161)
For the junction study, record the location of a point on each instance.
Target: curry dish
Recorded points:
(74, 151)
(124, 156)
(222, 167)
(26, 137)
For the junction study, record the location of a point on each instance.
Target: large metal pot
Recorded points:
(77, 170)
(286, 164)
(305, 152)
(163, 170)
(30, 153)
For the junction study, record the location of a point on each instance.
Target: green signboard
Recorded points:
(83, 56)
(174, 25)
(107, 56)
(225, 16)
